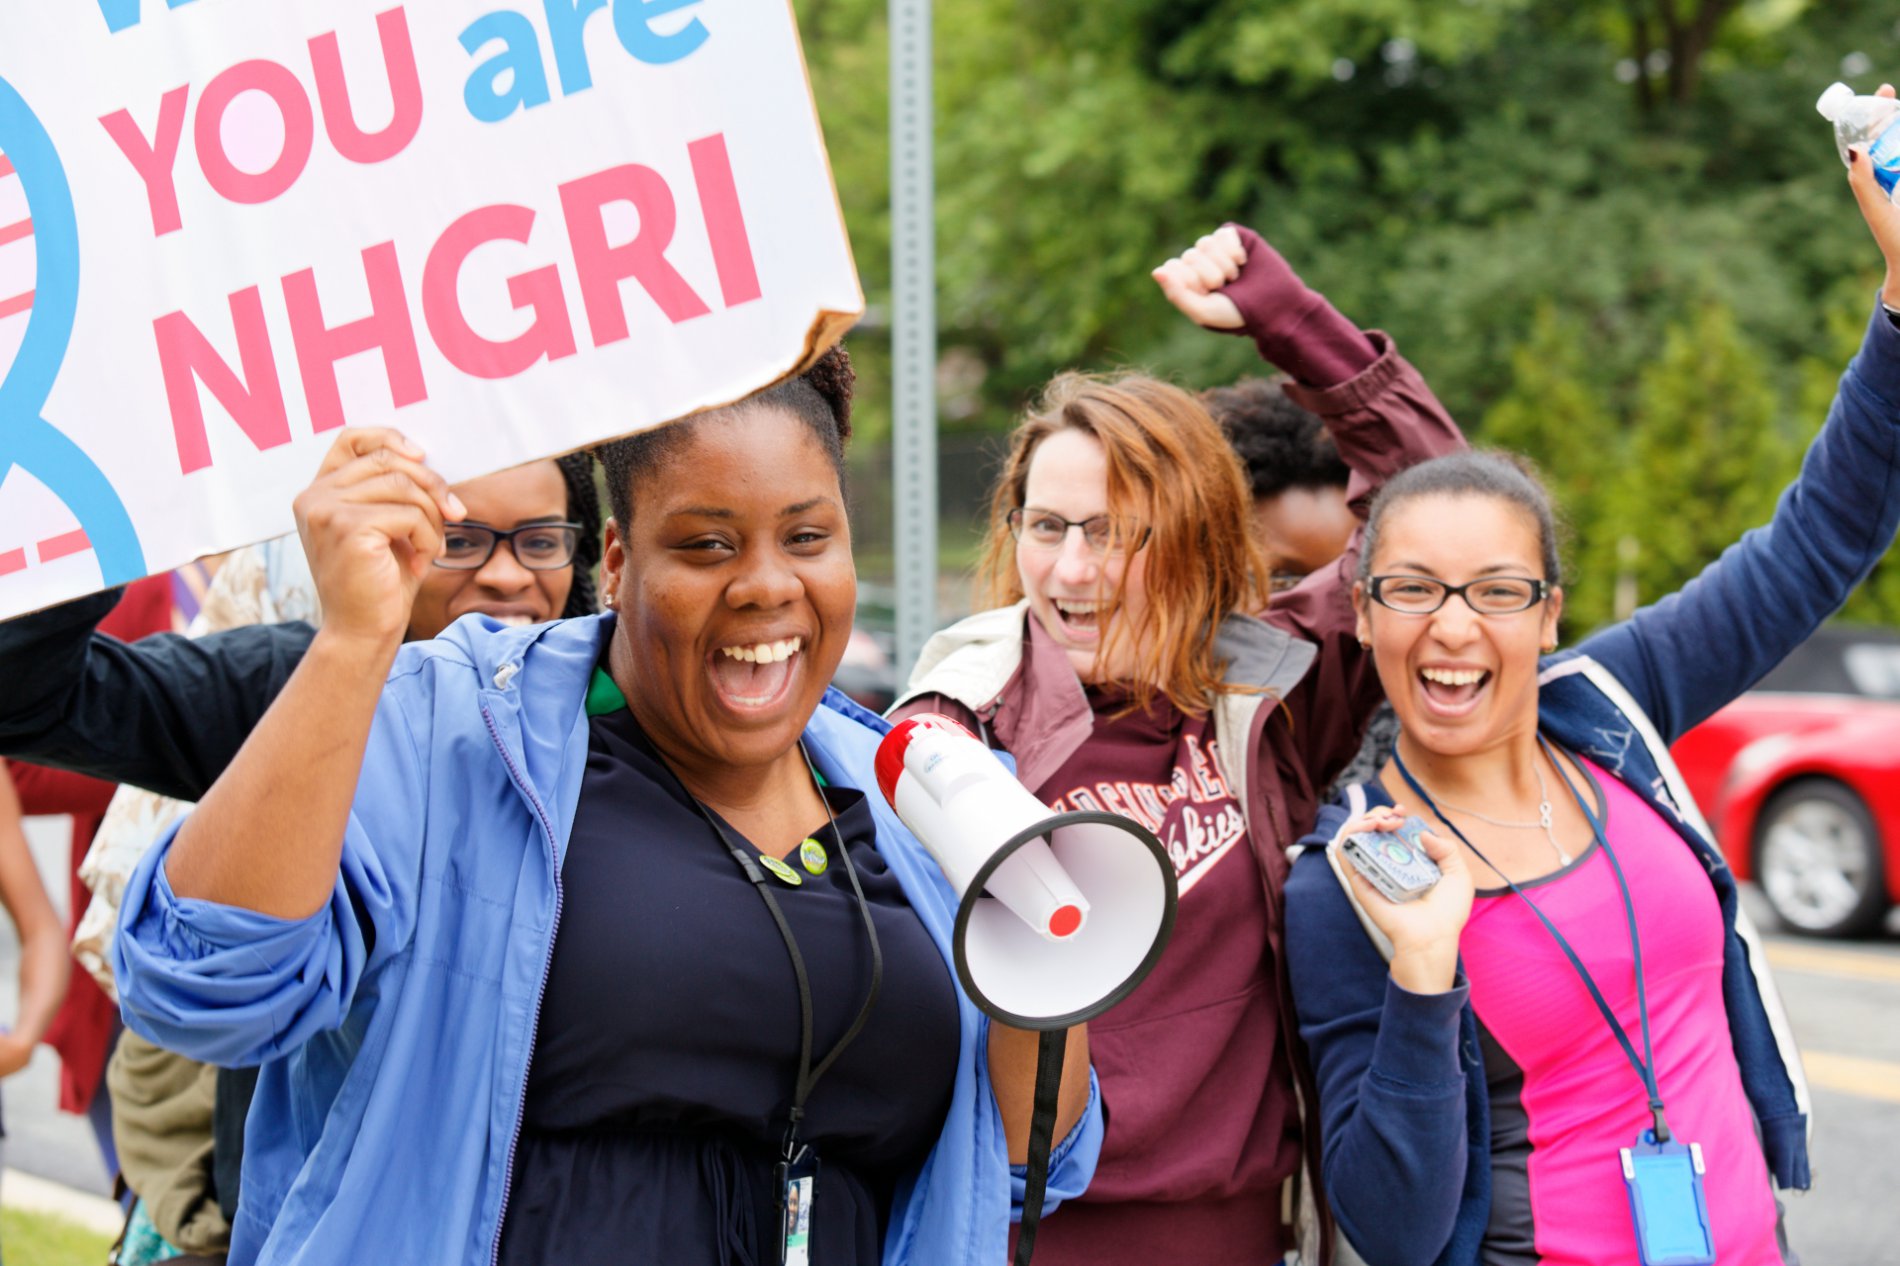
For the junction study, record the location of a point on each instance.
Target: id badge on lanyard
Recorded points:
(1667, 1202)
(1662, 1175)
(797, 1192)
(795, 1184)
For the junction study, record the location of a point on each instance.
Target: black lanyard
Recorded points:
(1644, 1069)
(807, 1075)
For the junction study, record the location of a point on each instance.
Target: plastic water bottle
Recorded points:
(1866, 121)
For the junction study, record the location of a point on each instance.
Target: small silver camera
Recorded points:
(1394, 862)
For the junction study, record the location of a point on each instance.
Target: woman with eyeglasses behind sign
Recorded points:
(1124, 666)
(580, 942)
(1576, 1019)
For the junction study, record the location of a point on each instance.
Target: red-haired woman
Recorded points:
(1124, 666)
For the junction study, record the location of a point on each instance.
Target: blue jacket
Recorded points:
(394, 1027)
(1404, 1116)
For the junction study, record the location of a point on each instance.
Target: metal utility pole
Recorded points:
(913, 329)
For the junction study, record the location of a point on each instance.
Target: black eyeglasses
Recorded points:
(1489, 595)
(538, 546)
(1103, 533)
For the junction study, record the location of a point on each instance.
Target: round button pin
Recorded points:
(781, 871)
(813, 855)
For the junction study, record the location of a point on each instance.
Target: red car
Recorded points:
(1800, 779)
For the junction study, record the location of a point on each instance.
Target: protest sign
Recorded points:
(508, 227)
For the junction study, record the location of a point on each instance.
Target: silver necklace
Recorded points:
(1544, 822)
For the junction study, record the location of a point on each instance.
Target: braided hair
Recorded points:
(820, 398)
(583, 507)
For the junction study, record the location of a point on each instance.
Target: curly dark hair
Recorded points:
(1282, 445)
(583, 507)
(820, 398)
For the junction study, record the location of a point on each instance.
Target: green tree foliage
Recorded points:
(1612, 233)
(1553, 409)
(1708, 454)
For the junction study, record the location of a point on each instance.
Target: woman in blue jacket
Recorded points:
(575, 942)
(1578, 1004)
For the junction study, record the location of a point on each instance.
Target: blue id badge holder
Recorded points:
(1667, 1202)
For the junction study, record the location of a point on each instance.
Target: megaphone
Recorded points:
(1060, 915)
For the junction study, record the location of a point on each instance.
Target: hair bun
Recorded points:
(832, 377)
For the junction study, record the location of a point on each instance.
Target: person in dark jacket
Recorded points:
(1580, 990)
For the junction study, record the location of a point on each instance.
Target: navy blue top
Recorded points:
(668, 1039)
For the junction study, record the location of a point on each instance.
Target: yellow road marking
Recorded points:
(1822, 961)
(1853, 1075)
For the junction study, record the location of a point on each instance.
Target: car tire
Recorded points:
(1818, 860)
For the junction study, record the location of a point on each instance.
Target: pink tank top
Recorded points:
(1580, 1099)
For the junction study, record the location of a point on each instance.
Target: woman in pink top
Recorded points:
(1568, 1050)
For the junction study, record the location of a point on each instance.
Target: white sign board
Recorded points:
(509, 227)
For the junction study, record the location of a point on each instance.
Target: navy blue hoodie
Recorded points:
(1404, 1116)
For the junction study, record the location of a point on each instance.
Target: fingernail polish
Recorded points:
(1853, 156)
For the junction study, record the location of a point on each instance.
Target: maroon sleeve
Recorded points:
(1293, 325)
(1377, 408)
(1383, 420)
(1329, 709)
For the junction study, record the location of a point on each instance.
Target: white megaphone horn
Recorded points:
(1060, 915)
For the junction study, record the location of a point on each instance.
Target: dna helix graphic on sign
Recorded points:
(39, 295)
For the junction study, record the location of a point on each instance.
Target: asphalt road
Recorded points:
(1843, 999)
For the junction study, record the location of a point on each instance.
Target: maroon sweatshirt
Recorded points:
(1195, 1075)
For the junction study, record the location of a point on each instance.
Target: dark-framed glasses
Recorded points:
(1488, 595)
(537, 546)
(1103, 533)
